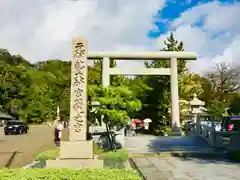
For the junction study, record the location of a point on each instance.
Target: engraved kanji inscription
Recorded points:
(78, 116)
(78, 105)
(78, 119)
(79, 50)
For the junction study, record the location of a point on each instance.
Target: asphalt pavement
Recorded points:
(19, 150)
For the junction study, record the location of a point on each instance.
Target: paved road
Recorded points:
(172, 168)
(19, 150)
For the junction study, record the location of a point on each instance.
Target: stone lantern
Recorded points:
(197, 107)
(95, 105)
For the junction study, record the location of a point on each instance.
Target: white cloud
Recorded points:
(41, 30)
(218, 18)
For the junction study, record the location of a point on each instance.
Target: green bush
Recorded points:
(120, 155)
(97, 149)
(51, 154)
(69, 174)
(162, 130)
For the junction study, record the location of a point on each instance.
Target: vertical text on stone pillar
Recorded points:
(79, 55)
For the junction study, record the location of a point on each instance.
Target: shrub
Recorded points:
(51, 154)
(70, 174)
(114, 159)
(97, 149)
(120, 155)
(162, 130)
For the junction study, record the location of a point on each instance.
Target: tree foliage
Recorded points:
(117, 103)
(221, 87)
(234, 104)
(224, 80)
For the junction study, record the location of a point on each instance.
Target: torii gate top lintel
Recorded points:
(143, 55)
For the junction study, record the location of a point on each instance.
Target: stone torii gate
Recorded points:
(76, 151)
(156, 55)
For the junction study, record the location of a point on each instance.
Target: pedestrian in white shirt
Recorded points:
(58, 127)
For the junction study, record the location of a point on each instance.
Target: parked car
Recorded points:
(15, 127)
(230, 123)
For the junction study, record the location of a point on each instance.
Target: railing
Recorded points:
(217, 139)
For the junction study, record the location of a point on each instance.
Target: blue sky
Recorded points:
(209, 27)
(173, 10)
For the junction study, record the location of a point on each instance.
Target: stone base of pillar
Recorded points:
(76, 149)
(65, 134)
(75, 154)
(176, 132)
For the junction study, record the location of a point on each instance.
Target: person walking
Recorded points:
(134, 128)
(58, 127)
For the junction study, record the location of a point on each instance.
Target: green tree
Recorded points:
(224, 80)
(95, 73)
(117, 104)
(216, 109)
(171, 44)
(234, 105)
(189, 84)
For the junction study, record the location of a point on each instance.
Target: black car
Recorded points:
(15, 127)
(230, 123)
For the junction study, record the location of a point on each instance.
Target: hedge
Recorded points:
(69, 174)
(120, 155)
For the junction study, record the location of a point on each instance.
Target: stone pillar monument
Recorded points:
(76, 151)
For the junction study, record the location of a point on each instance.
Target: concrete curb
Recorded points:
(34, 164)
(127, 164)
(134, 166)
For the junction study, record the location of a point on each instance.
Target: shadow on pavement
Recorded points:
(179, 143)
(189, 148)
(212, 160)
